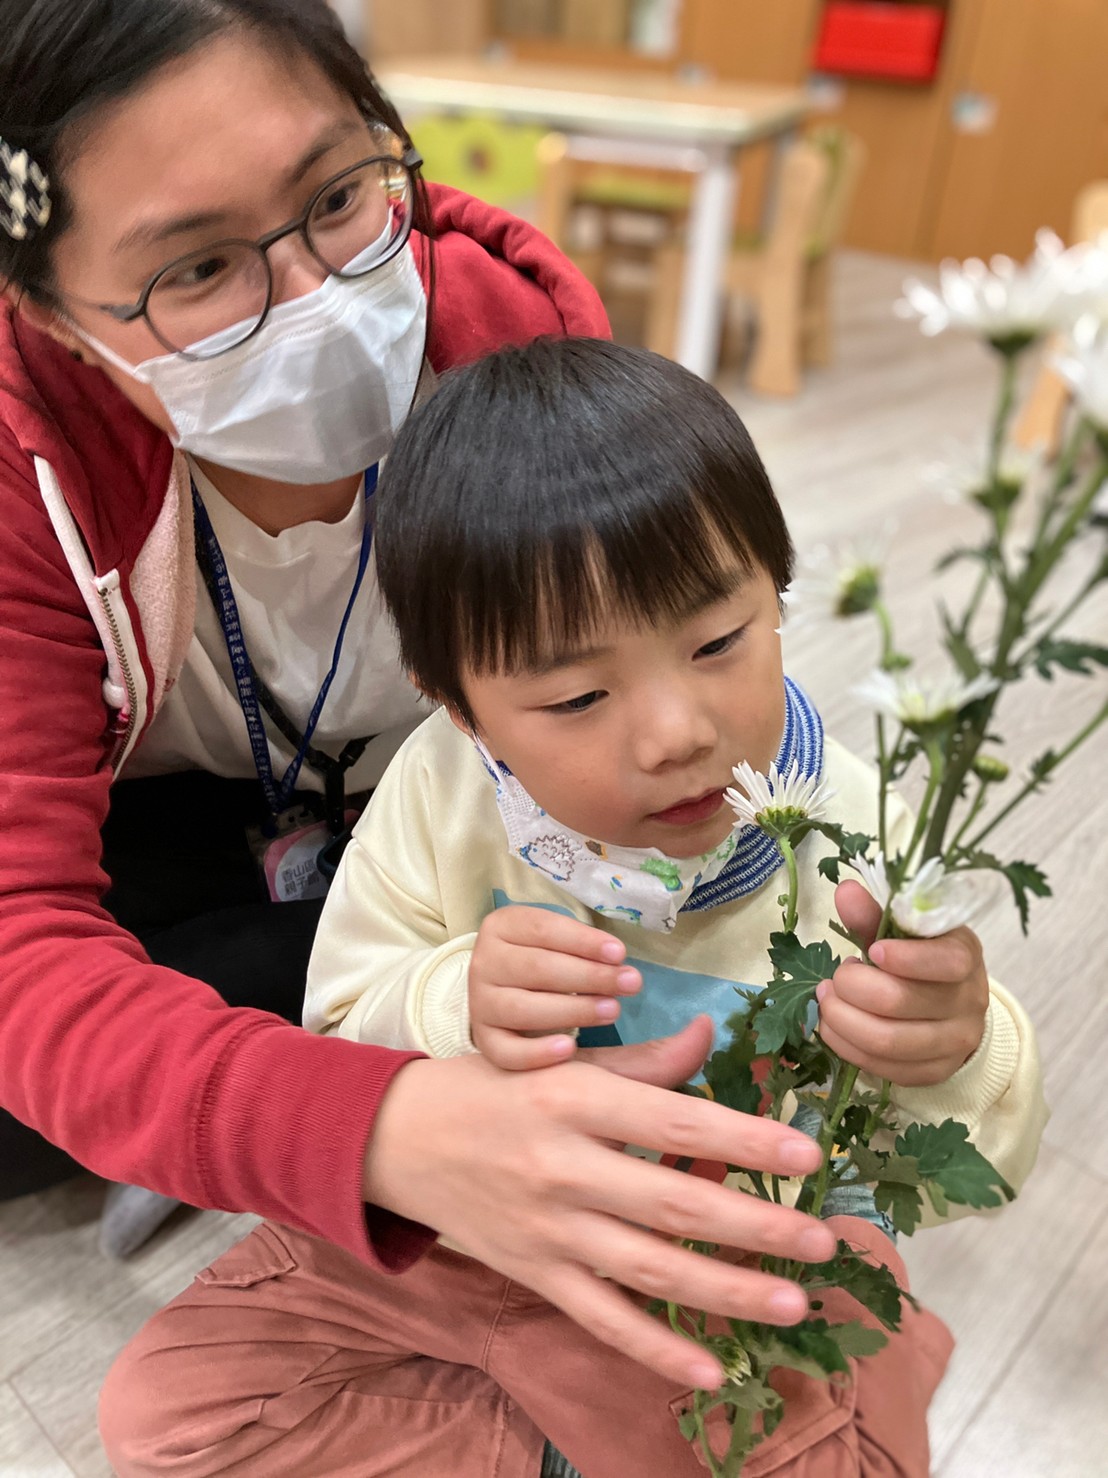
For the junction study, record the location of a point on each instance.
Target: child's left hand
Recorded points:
(917, 1013)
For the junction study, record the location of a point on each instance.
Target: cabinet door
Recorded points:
(1026, 125)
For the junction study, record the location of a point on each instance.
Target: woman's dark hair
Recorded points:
(542, 486)
(62, 59)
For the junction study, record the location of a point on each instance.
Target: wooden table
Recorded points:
(630, 118)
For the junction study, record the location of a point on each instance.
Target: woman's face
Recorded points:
(230, 141)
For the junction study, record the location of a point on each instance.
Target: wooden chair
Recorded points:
(634, 212)
(1044, 412)
(781, 280)
(483, 155)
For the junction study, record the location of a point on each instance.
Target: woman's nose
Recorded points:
(295, 271)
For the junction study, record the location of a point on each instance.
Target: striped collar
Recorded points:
(756, 857)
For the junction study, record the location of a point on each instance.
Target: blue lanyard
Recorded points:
(227, 610)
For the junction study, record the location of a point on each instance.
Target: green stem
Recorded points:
(1063, 476)
(876, 1115)
(1062, 617)
(702, 1437)
(846, 1075)
(883, 786)
(789, 916)
(971, 815)
(1005, 405)
(885, 622)
(1021, 795)
(740, 1445)
(974, 602)
(936, 762)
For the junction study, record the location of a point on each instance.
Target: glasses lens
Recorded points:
(363, 218)
(210, 300)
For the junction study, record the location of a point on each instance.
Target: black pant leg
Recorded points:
(185, 883)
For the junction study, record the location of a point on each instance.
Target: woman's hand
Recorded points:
(526, 1171)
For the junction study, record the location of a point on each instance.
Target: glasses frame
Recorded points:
(410, 161)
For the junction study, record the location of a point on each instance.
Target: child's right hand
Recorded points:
(535, 976)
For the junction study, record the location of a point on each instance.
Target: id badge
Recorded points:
(289, 862)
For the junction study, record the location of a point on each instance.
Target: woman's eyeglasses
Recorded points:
(212, 300)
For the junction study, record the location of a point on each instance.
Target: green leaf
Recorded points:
(895, 1180)
(903, 1204)
(782, 1010)
(729, 1076)
(1024, 878)
(962, 654)
(983, 554)
(829, 869)
(946, 1156)
(858, 1339)
(1071, 656)
(871, 1284)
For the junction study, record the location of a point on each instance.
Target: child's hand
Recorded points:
(915, 1015)
(534, 971)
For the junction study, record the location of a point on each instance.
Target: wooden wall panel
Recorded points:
(1044, 67)
(750, 40)
(397, 28)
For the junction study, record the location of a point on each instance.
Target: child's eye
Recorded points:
(721, 644)
(576, 705)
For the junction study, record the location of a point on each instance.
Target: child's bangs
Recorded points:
(541, 601)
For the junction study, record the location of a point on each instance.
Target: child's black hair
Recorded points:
(543, 487)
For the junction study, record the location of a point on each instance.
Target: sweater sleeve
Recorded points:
(140, 1073)
(385, 967)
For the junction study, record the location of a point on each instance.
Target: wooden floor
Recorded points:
(1027, 1293)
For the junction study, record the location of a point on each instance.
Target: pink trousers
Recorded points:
(287, 1358)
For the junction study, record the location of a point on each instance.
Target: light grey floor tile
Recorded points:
(25, 1450)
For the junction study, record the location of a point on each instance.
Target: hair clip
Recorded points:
(24, 193)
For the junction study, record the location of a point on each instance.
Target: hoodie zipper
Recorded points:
(123, 736)
(124, 690)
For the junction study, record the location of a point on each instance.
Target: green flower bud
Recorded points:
(859, 590)
(990, 768)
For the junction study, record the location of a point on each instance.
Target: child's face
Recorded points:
(631, 740)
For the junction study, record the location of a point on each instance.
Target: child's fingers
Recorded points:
(544, 1011)
(881, 1037)
(905, 1075)
(948, 958)
(881, 994)
(551, 969)
(518, 1054)
(538, 928)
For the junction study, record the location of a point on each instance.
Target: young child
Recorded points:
(584, 560)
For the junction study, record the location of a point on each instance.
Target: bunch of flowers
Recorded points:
(1040, 514)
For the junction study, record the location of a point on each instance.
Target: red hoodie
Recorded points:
(142, 1074)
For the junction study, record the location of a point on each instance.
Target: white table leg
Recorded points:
(709, 240)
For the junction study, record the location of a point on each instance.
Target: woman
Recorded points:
(218, 270)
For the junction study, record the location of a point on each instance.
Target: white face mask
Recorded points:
(638, 884)
(318, 393)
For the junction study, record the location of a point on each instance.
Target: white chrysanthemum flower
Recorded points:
(933, 902)
(1085, 371)
(837, 582)
(777, 803)
(875, 879)
(1006, 302)
(962, 476)
(920, 703)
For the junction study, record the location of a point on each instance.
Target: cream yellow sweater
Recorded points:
(428, 861)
